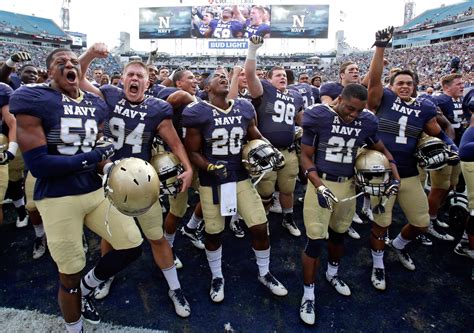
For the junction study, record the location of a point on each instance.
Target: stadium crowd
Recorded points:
(363, 126)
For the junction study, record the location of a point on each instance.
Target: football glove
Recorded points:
(105, 148)
(326, 198)
(255, 42)
(6, 157)
(17, 57)
(392, 188)
(383, 37)
(453, 157)
(218, 169)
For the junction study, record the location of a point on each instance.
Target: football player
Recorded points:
(278, 108)
(402, 120)
(215, 133)
(132, 123)
(331, 138)
(225, 27)
(445, 179)
(348, 73)
(254, 25)
(57, 126)
(8, 144)
(465, 246)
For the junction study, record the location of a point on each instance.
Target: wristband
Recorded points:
(13, 147)
(10, 63)
(306, 173)
(251, 54)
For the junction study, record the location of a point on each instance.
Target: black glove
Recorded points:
(6, 157)
(383, 37)
(453, 157)
(158, 144)
(20, 57)
(105, 148)
(218, 169)
(392, 188)
(326, 198)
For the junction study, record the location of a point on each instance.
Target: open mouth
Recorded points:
(71, 76)
(133, 88)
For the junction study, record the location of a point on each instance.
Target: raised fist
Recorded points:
(255, 42)
(383, 37)
(20, 57)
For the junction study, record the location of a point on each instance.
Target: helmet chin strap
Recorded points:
(107, 219)
(259, 179)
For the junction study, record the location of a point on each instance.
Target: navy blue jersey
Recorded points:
(259, 30)
(335, 141)
(202, 94)
(5, 93)
(451, 108)
(276, 113)
(223, 133)
(166, 92)
(70, 127)
(468, 103)
(230, 29)
(305, 91)
(466, 148)
(331, 89)
(132, 127)
(154, 90)
(15, 81)
(400, 126)
(316, 97)
(245, 94)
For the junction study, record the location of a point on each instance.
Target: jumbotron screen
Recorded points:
(243, 21)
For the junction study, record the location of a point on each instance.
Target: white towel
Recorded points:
(228, 199)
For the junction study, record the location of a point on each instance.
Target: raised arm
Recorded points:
(375, 87)
(7, 68)
(234, 83)
(254, 85)
(97, 50)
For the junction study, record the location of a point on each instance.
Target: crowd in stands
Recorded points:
(429, 62)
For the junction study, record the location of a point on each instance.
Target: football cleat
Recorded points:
(424, 240)
(39, 247)
(441, 235)
(217, 290)
(236, 227)
(378, 278)
(338, 284)
(353, 233)
(194, 235)
(462, 248)
(103, 289)
(307, 311)
(22, 223)
(290, 224)
(88, 311)
(275, 286)
(177, 261)
(357, 219)
(403, 257)
(181, 305)
(440, 223)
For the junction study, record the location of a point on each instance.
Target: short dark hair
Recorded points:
(290, 75)
(354, 90)
(178, 75)
(402, 72)
(49, 58)
(275, 68)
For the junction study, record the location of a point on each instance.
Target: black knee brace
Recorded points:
(15, 190)
(114, 261)
(335, 237)
(313, 247)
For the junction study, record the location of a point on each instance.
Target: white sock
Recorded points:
(39, 230)
(400, 242)
(308, 292)
(89, 282)
(170, 238)
(171, 276)
(214, 258)
(19, 202)
(263, 261)
(377, 259)
(332, 269)
(194, 221)
(74, 327)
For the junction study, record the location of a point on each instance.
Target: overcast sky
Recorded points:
(103, 20)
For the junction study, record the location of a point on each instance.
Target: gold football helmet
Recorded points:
(132, 186)
(259, 156)
(168, 167)
(3, 143)
(431, 153)
(373, 172)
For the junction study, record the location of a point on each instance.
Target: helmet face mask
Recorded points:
(373, 173)
(168, 167)
(431, 153)
(258, 156)
(132, 186)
